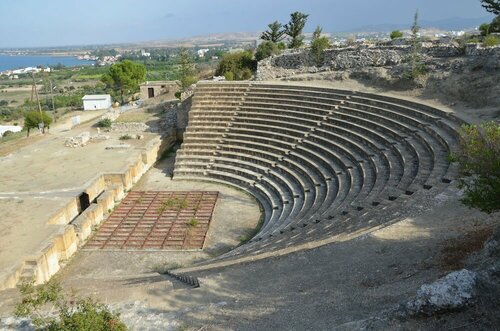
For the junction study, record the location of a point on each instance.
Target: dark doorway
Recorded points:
(84, 202)
(151, 92)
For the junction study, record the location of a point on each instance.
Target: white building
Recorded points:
(11, 128)
(98, 101)
(202, 52)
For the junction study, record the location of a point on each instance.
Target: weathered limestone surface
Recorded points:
(297, 62)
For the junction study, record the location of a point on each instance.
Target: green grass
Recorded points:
(13, 136)
(134, 117)
(174, 203)
(192, 223)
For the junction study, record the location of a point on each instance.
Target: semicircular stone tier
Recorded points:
(320, 161)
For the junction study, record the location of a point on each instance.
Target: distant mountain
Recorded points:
(455, 23)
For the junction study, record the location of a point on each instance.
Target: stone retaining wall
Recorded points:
(302, 61)
(109, 189)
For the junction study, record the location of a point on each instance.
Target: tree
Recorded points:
(265, 50)
(294, 29)
(417, 68)
(33, 118)
(492, 6)
(186, 67)
(318, 46)
(124, 78)
(275, 33)
(479, 160)
(237, 66)
(396, 34)
(485, 29)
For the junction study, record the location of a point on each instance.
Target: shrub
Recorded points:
(70, 314)
(125, 137)
(237, 66)
(490, 41)
(229, 75)
(104, 123)
(265, 50)
(178, 94)
(479, 160)
(396, 34)
(7, 133)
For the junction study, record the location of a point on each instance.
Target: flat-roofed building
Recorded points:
(97, 101)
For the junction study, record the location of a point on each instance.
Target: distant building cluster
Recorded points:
(108, 60)
(14, 74)
(88, 57)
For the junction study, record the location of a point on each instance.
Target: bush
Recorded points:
(396, 34)
(237, 66)
(479, 160)
(265, 50)
(178, 94)
(75, 314)
(7, 133)
(104, 123)
(125, 137)
(490, 41)
(281, 46)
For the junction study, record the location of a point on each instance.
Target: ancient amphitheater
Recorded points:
(331, 170)
(321, 162)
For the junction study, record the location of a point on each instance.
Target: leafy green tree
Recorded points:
(186, 69)
(492, 6)
(318, 46)
(33, 118)
(266, 49)
(237, 66)
(295, 28)
(396, 34)
(124, 78)
(485, 29)
(275, 33)
(74, 314)
(479, 160)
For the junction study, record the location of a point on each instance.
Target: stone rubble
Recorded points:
(293, 62)
(129, 127)
(83, 139)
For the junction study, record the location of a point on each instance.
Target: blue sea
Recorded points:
(8, 62)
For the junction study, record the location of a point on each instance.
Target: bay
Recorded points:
(8, 62)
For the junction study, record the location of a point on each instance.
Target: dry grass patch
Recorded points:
(455, 251)
(133, 117)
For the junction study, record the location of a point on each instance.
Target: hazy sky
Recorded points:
(75, 22)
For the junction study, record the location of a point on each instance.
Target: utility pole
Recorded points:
(52, 98)
(40, 124)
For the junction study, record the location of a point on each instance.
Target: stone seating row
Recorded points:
(314, 158)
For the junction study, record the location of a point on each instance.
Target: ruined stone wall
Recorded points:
(302, 61)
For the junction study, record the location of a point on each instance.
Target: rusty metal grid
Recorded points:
(155, 220)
